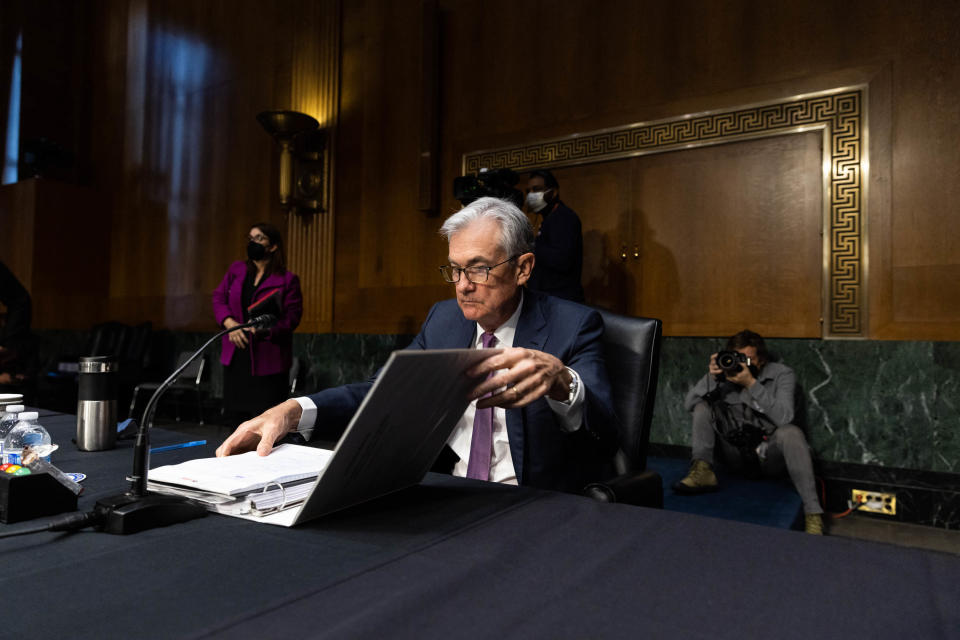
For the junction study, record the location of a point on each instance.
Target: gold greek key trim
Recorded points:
(840, 113)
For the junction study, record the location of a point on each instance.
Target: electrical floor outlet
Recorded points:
(875, 502)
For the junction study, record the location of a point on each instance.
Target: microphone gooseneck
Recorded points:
(141, 456)
(136, 510)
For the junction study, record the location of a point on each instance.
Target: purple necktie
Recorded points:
(481, 444)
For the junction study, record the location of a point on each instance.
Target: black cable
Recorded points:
(21, 532)
(69, 522)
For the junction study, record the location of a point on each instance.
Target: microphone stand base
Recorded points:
(127, 513)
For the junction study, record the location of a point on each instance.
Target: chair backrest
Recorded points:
(632, 351)
(294, 375)
(192, 374)
(128, 344)
(106, 339)
(136, 347)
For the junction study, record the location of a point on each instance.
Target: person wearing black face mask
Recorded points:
(257, 363)
(258, 253)
(559, 243)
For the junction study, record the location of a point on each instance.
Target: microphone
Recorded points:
(265, 321)
(136, 510)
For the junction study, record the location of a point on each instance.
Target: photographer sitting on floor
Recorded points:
(748, 401)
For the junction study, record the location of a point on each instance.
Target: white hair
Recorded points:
(516, 234)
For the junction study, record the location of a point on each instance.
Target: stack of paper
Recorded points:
(245, 483)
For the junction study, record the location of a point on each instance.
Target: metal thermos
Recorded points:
(97, 404)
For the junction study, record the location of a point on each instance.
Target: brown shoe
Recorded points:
(813, 524)
(701, 479)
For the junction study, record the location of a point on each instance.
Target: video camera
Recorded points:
(497, 183)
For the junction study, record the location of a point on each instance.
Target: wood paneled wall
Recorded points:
(55, 244)
(516, 72)
(184, 168)
(387, 250)
(315, 91)
(709, 240)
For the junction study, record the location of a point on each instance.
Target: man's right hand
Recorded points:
(262, 432)
(714, 369)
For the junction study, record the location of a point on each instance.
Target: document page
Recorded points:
(234, 475)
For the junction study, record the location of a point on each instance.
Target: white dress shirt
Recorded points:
(501, 461)
(570, 413)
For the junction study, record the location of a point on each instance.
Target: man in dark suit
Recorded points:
(544, 417)
(559, 243)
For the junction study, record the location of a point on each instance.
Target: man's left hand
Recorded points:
(527, 375)
(744, 377)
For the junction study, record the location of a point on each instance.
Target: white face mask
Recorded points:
(536, 200)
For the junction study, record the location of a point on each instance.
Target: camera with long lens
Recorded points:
(497, 183)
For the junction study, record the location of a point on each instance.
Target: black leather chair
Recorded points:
(632, 353)
(188, 381)
(129, 345)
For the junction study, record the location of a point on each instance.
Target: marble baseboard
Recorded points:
(923, 497)
(929, 498)
(870, 402)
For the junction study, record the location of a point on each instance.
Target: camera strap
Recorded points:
(739, 432)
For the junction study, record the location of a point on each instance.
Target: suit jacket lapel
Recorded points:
(531, 334)
(465, 333)
(531, 326)
(272, 281)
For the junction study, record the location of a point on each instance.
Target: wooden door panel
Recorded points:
(729, 237)
(601, 194)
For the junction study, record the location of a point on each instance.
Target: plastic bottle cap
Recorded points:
(29, 415)
(14, 408)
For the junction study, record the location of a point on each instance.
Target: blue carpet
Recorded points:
(769, 502)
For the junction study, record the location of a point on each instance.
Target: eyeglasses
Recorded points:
(475, 274)
(259, 238)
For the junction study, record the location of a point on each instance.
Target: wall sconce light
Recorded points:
(302, 148)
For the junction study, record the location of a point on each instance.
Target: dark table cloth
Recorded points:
(462, 558)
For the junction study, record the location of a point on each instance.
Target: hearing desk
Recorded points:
(463, 558)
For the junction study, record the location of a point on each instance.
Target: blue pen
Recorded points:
(182, 445)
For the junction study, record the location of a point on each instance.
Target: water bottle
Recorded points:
(8, 418)
(26, 432)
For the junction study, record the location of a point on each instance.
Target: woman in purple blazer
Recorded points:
(256, 364)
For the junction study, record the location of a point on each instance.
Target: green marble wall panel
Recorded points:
(886, 403)
(335, 359)
(892, 404)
